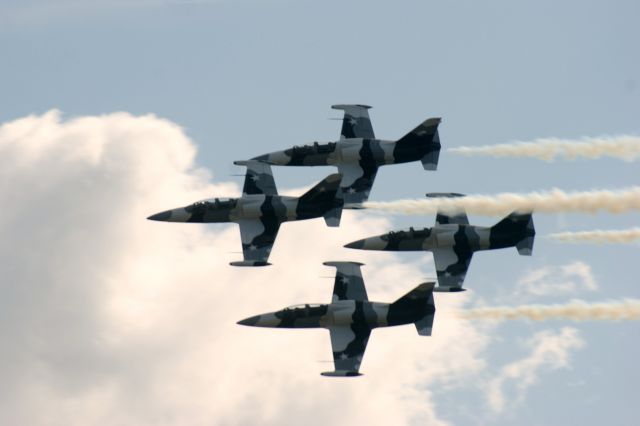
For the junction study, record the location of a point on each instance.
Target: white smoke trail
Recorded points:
(575, 310)
(554, 201)
(623, 236)
(623, 147)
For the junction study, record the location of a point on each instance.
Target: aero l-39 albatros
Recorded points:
(358, 153)
(260, 210)
(350, 316)
(453, 242)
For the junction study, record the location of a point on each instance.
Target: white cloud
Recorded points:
(107, 318)
(571, 278)
(549, 350)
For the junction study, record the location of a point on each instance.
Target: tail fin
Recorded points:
(420, 299)
(426, 134)
(520, 227)
(322, 200)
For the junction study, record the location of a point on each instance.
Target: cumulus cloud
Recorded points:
(623, 147)
(107, 318)
(549, 350)
(563, 279)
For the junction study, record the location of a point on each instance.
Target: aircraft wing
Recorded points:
(451, 266)
(443, 218)
(356, 182)
(257, 241)
(348, 284)
(259, 178)
(348, 344)
(356, 122)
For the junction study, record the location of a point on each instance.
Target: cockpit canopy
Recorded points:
(221, 202)
(411, 233)
(316, 148)
(303, 306)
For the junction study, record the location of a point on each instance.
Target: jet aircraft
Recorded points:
(260, 210)
(350, 316)
(358, 153)
(453, 241)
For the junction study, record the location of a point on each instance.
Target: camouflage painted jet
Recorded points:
(358, 153)
(260, 210)
(453, 242)
(350, 316)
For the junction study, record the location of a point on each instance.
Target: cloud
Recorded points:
(549, 351)
(554, 201)
(598, 236)
(554, 280)
(107, 318)
(623, 147)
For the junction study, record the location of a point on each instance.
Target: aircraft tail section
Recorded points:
(426, 136)
(321, 200)
(419, 300)
(517, 230)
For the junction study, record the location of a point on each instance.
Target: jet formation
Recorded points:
(350, 317)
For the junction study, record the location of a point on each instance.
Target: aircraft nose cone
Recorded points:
(355, 244)
(274, 158)
(162, 216)
(250, 321)
(374, 243)
(174, 215)
(264, 158)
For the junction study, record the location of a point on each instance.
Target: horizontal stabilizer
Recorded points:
(249, 263)
(525, 246)
(341, 373)
(430, 160)
(425, 325)
(332, 217)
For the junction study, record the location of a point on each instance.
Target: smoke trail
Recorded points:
(623, 147)
(576, 310)
(554, 201)
(623, 236)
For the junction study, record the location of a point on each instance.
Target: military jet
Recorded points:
(453, 241)
(358, 153)
(350, 316)
(260, 210)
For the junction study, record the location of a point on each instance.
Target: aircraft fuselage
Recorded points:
(341, 313)
(368, 152)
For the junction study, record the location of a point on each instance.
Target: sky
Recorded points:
(113, 111)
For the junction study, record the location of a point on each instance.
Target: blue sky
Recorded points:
(244, 78)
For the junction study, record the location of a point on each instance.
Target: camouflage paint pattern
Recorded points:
(260, 210)
(350, 317)
(358, 154)
(453, 242)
